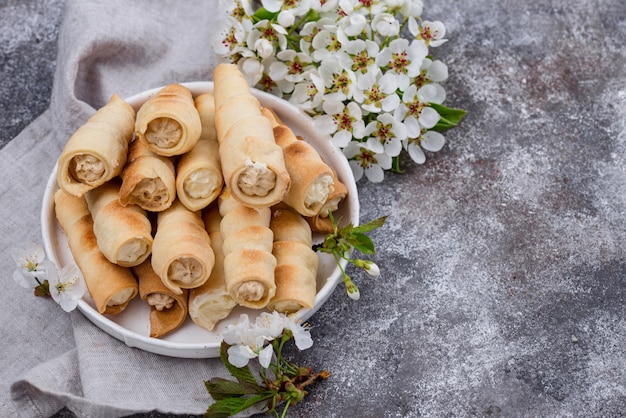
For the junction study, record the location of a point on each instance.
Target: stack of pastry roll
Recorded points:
(211, 302)
(311, 178)
(253, 164)
(199, 177)
(111, 286)
(148, 180)
(168, 310)
(181, 252)
(296, 262)
(247, 247)
(97, 151)
(168, 122)
(123, 233)
(315, 188)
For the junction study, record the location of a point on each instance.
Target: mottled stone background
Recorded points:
(503, 289)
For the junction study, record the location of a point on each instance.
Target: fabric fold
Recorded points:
(108, 48)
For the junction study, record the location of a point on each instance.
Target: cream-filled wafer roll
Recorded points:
(111, 286)
(233, 83)
(211, 302)
(311, 178)
(149, 180)
(123, 233)
(168, 310)
(252, 163)
(97, 151)
(199, 176)
(168, 122)
(181, 252)
(321, 222)
(247, 246)
(296, 262)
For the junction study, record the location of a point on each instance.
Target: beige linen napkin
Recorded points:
(52, 359)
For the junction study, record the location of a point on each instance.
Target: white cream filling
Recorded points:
(132, 250)
(121, 297)
(200, 183)
(163, 132)
(185, 270)
(319, 191)
(150, 191)
(250, 291)
(256, 179)
(85, 168)
(160, 301)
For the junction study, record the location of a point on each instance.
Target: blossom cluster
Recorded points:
(65, 286)
(249, 340)
(360, 68)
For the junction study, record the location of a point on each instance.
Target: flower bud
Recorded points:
(264, 48)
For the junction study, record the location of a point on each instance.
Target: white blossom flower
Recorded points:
(429, 140)
(412, 8)
(308, 95)
(376, 92)
(272, 32)
(31, 262)
(364, 161)
(339, 82)
(431, 32)
(435, 71)
(353, 24)
(403, 59)
(414, 110)
(67, 287)
(385, 135)
(341, 121)
(290, 66)
(247, 341)
(325, 43)
(386, 24)
(237, 10)
(357, 55)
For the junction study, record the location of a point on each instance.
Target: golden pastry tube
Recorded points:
(296, 262)
(168, 122)
(311, 178)
(111, 286)
(168, 310)
(211, 302)
(149, 180)
(247, 246)
(123, 233)
(97, 151)
(181, 253)
(253, 164)
(199, 177)
(321, 221)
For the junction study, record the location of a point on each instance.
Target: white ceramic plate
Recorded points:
(190, 340)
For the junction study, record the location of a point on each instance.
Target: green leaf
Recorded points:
(370, 226)
(231, 406)
(220, 388)
(449, 117)
(242, 374)
(263, 14)
(361, 242)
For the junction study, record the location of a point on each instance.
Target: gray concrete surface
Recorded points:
(503, 289)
